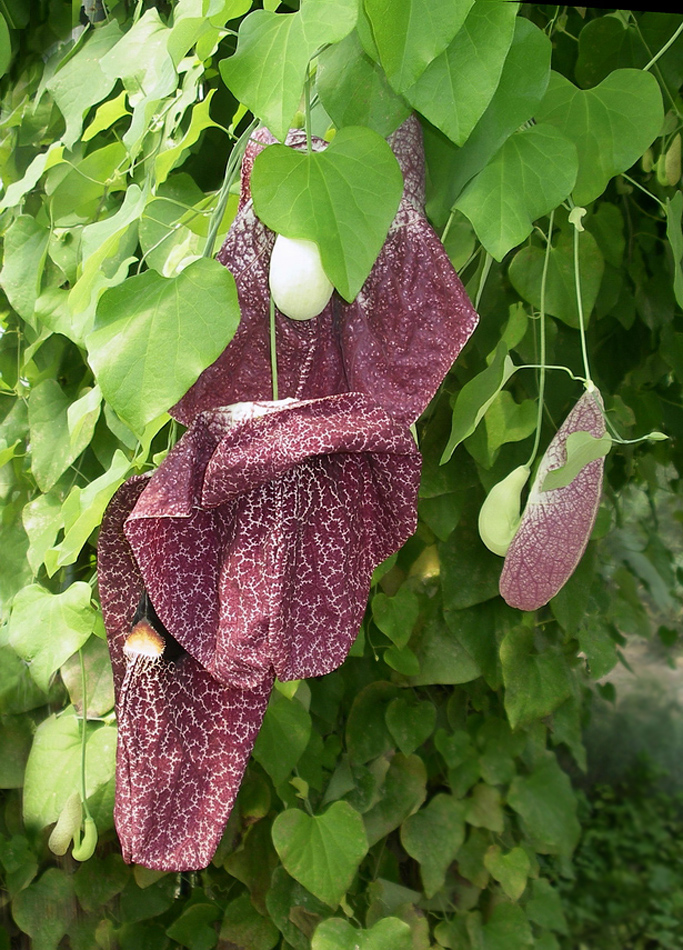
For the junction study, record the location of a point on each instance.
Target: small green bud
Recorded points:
(499, 516)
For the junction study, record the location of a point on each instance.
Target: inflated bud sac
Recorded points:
(499, 516)
(67, 826)
(298, 283)
(556, 524)
(86, 847)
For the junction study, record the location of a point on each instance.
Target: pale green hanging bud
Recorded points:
(85, 848)
(500, 514)
(67, 826)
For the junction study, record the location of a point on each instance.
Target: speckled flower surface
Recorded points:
(556, 525)
(256, 538)
(255, 541)
(395, 342)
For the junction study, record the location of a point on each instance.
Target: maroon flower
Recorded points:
(556, 524)
(255, 541)
(395, 342)
(249, 553)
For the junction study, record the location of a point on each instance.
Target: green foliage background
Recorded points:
(419, 796)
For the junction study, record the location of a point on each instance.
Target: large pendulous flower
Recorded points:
(249, 552)
(255, 541)
(556, 524)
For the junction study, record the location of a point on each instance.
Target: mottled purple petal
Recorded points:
(258, 536)
(395, 342)
(557, 524)
(184, 737)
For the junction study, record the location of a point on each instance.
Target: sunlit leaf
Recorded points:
(529, 176)
(390, 933)
(611, 125)
(273, 50)
(45, 629)
(153, 336)
(354, 90)
(81, 82)
(24, 255)
(456, 88)
(322, 852)
(53, 771)
(412, 34)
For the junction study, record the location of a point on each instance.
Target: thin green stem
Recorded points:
(273, 349)
(84, 722)
(444, 233)
(307, 101)
(645, 191)
(488, 260)
(664, 48)
(579, 304)
(542, 371)
(231, 172)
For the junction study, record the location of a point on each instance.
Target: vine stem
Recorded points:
(488, 260)
(84, 721)
(543, 367)
(273, 349)
(664, 48)
(231, 172)
(307, 101)
(579, 304)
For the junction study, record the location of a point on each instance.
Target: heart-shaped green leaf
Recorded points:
(45, 629)
(455, 89)
(410, 34)
(510, 870)
(389, 933)
(526, 276)
(395, 616)
(611, 125)
(410, 723)
(322, 852)
(433, 837)
(273, 50)
(153, 336)
(344, 199)
(529, 176)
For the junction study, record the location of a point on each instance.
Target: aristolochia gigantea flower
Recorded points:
(557, 523)
(249, 552)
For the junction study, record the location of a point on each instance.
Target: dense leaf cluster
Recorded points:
(416, 797)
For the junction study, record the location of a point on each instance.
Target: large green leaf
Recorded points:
(45, 629)
(546, 804)
(81, 82)
(53, 448)
(322, 852)
(523, 83)
(433, 837)
(153, 336)
(530, 175)
(474, 399)
(53, 771)
(403, 792)
(526, 276)
(273, 50)
(344, 199)
(611, 125)
(141, 59)
(410, 34)
(674, 210)
(99, 681)
(395, 616)
(456, 88)
(390, 933)
(283, 737)
(45, 908)
(354, 90)
(24, 255)
(535, 683)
